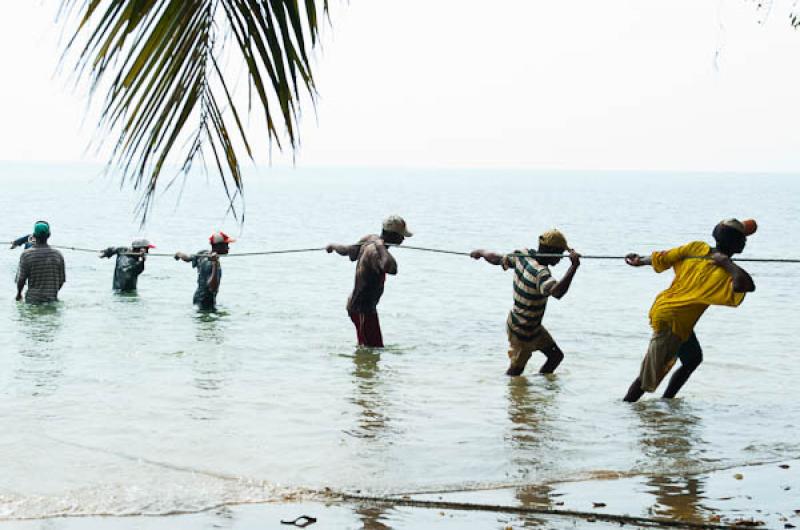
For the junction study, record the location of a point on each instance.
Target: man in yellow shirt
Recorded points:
(704, 276)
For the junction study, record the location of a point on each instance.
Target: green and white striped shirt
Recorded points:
(532, 285)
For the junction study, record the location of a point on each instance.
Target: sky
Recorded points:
(574, 84)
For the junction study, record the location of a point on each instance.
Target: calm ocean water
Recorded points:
(139, 405)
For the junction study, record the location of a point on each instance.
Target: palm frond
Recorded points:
(169, 101)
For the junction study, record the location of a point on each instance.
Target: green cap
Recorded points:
(41, 228)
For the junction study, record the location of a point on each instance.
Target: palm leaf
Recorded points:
(168, 102)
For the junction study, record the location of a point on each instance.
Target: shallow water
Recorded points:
(140, 405)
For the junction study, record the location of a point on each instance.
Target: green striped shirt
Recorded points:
(532, 285)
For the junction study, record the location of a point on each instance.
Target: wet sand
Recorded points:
(762, 495)
(329, 517)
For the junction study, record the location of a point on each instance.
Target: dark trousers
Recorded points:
(368, 329)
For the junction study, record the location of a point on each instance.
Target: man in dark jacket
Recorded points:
(209, 270)
(130, 264)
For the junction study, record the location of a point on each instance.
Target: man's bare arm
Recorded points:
(386, 261)
(742, 281)
(22, 277)
(20, 287)
(561, 288)
(635, 260)
(491, 257)
(213, 280)
(350, 251)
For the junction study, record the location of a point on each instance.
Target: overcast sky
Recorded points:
(590, 84)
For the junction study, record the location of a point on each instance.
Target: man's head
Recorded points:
(551, 242)
(731, 235)
(41, 231)
(141, 245)
(220, 241)
(394, 230)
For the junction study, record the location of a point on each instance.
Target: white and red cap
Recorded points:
(747, 227)
(220, 237)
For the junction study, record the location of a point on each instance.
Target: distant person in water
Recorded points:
(374, 262)
(698, 283)
(129, 265)
(533, 285)
(25, 241)
(41, 268)
(209, 270)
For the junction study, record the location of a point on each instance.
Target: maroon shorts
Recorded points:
(368, 329)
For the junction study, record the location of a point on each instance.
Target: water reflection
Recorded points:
(530, 411)
(40, 322)
(368, 395)
(670, 438)
(126, 296)
(41, 364)
(210, 326)
(373, 517)
(211, 366)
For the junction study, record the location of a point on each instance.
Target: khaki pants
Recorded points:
(520, 351)
(660, 358)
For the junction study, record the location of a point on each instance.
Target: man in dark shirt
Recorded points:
(209, 270)
(130, 264)
(41, 267)
(374, 262)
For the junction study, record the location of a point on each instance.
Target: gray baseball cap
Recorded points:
(142, 243)
(396, 224)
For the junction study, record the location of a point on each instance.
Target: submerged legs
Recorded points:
(660, 359)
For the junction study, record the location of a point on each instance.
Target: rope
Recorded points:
(166, 255)
(520, 254)
(268, 252)
(589, 256)
(427, 249)
(588, 516)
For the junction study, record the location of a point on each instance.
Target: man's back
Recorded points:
(532, 285)
(43, 268)
(698, 283)
(369, 279)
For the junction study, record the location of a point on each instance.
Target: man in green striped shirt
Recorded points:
(533, 285)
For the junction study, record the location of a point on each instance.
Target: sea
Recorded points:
(139, 408)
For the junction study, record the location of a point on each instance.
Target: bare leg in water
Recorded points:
(634, 392)
(690, 355)
(554, 357)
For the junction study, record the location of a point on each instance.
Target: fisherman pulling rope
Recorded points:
(209, 270)
(533, 285)
(698, 284)
(129, 264)
(374, 262)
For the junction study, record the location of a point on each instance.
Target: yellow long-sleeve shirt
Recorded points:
(698, 284)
